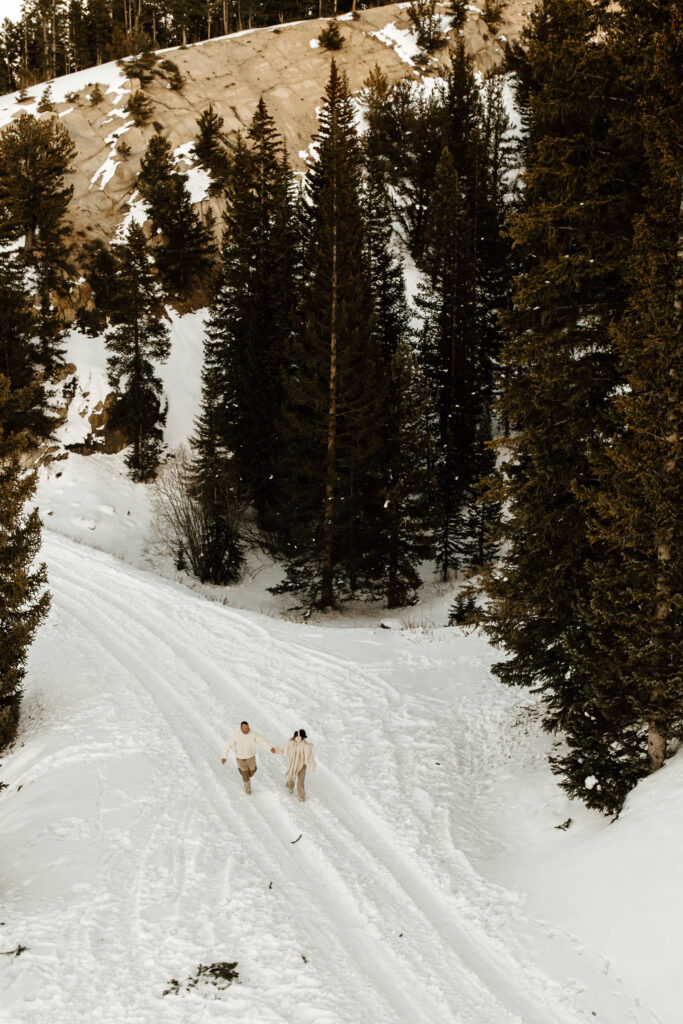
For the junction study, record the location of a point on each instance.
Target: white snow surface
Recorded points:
(136, 214)
(10, 9)
(198, 180)
(91, 385)
(180, 375)
(131, 855)
(403, 40)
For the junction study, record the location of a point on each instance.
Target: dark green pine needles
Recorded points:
(136, 340)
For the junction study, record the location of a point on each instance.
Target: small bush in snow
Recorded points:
(217, 976)
(186, 527)
(463, 611)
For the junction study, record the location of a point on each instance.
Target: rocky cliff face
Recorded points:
(283, 64)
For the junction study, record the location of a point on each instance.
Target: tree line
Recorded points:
(586, 599)
(353, 426)
(57, 37)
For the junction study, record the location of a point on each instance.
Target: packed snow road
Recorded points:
(131, 855)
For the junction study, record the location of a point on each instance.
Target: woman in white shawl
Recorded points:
(299, 754)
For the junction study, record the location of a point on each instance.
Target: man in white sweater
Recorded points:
(244, 741)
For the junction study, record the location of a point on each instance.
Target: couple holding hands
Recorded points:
(297, 750)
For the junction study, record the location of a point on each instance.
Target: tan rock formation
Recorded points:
(282, 63)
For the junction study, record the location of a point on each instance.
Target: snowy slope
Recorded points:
(131, 855)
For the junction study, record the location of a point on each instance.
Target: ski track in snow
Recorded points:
(154, 860)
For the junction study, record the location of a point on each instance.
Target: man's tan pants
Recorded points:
(246, 766)
(299, 784)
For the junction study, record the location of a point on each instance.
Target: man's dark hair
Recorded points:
(301, 733)
(244, 723)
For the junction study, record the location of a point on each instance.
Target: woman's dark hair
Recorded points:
(301, 733)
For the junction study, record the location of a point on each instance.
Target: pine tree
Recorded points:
(46, 102)
(632, 623)
(35, 155)
(251, 315)
(34, 160)
(138, 336)
(458, 13)
(333, 395)
(24, 600)
(571, 235)
(408, 527)
(330, 37)
(210, 149)
(272, 284)
(220, 426)
(427, 24)
(157, 168)
(140, 107)
(216, 485)
(385, 268)
(409, 457)
(185, 257)
(449, 351)
(20, 355)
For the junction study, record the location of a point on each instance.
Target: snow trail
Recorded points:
(141, 856)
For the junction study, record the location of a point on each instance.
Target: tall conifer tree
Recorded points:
(186, 256)
(21, 357)
(24, 599)
(571, 235)
(251, 315)
(447, 305)
(632, 625)
(409, 520)
(210, 148)
(333, 402)
(137, 338)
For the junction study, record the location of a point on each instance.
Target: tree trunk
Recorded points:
(327, 589)
(46, 49)
(53, 73)
(656, 746)
(136, 401)
(657, 732)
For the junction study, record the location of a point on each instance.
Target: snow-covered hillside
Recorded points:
(130, 855)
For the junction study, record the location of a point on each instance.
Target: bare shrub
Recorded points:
(201, 532)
